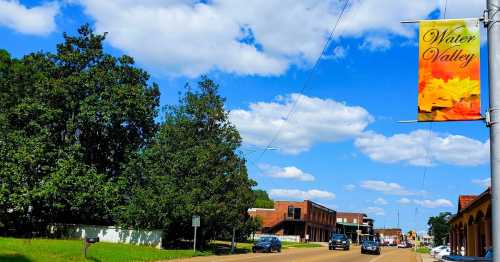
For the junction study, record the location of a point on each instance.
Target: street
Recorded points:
(316, 255)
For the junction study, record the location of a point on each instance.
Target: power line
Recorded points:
(308, 79)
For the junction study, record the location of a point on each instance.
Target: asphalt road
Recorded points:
(316, 255)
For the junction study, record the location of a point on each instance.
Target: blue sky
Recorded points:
(342, 146)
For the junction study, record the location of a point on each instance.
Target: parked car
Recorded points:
(486, 258)
(370, 247)
(436, 250)
(267, 244)
(443, 252)
(338, 240)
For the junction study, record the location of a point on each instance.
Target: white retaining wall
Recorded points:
(117, 235)
(287, 238)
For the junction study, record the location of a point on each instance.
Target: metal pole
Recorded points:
(232, 241)
(194, 242)
(492, 21)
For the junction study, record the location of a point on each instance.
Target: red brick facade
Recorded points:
(297, 218)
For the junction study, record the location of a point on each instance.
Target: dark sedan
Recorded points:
(267, 244)
(338, 240)
(370, 247)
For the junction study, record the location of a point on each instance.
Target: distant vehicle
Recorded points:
(371, 247)
(436, 250)
(267, 244)
(402, 245)
(486, 258)
(338, 240)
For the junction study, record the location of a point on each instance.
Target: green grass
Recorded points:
(47, 250)
(423, 250)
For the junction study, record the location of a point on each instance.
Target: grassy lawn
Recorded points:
(46, 250)
(423, 250)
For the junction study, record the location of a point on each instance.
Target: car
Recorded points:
(487, 257)
(436, 250)
(338, 241)
(370, 247)
(443, 252)
(402, 245)
(267, 244)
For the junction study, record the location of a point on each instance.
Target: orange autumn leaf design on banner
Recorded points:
(448, 87)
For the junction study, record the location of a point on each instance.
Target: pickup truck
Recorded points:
(488, 257)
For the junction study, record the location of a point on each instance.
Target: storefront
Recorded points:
(471, 226)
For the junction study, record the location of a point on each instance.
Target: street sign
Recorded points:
(195, 221)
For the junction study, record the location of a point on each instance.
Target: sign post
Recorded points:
(195, 223)
(492, 22)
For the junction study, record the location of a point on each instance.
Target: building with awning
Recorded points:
(354, 224)
(470, 228)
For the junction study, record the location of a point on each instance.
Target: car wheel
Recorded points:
(279, 250)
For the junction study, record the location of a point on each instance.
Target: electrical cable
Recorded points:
(308, 79)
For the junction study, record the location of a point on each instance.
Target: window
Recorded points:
(355, 221)
(339, 219)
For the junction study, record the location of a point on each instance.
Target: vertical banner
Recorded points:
(448, 84)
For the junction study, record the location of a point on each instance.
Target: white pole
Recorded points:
(194, 242)
(493, 23)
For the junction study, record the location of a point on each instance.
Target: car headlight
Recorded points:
(343, 242)
(329, 241)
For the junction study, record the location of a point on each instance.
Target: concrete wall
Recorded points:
(287, 238)
(113, 234)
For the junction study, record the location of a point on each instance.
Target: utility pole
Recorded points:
(492, 22)
(398, 217)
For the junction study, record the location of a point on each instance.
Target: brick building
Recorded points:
(349, 223)
(389, 236)
(297, 218)
(471, 226)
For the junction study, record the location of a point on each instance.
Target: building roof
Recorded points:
(465, 200)
(340, 214)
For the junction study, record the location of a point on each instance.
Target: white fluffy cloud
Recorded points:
(423, 148)
(404, 201)
(385, 187)
(349, 187)
(434, 203)
(288, 172)
(37, 20)
(258, 37)
(482, 182)
(300, 194)
(314, 120)
(380, 201)
(378, 211)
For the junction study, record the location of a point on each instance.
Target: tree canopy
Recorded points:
(80, 142)
(439, 227)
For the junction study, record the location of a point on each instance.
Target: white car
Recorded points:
(444, 252)
(436, 250)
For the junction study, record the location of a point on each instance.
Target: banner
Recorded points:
(448, 84)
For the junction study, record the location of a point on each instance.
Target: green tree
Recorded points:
(439, 227)
(191, 168)
(262, 199)
(69, 122)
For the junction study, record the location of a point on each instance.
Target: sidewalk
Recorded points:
(426, 258)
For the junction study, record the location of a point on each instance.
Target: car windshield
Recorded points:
(369, 243)
(338, 237)
(265, 239)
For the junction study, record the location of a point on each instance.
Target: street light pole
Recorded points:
(492, 22)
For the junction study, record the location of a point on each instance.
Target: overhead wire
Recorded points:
(308, 80)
